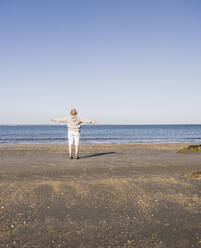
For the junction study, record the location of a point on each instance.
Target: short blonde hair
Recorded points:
(73, 112)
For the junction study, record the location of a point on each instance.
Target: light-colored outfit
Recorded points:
(73, 137)
(74, 124)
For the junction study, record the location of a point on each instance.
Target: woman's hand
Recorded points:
(52, 119)
(94, 122)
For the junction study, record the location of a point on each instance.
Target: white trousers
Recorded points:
(73, 137)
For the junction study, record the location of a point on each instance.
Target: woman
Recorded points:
(74, 123)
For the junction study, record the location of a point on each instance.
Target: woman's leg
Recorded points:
(76, 150)
(70, 144)
(70, 150)
(77, 142)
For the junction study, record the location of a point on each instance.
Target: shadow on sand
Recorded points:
(97, 154)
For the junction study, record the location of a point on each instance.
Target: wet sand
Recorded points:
(113, 196)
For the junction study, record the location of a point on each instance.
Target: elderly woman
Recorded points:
(74, 123)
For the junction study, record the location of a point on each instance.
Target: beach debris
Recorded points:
(196, 174)
(191, 148)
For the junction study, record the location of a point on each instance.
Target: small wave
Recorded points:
(31, 139)
(193, 138)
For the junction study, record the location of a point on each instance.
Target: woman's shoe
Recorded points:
(71, 157)
(77, 157)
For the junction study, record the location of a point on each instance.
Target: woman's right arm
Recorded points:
(83, 120)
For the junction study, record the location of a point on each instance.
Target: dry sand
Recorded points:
(114, 196)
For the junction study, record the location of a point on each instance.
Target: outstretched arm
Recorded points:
(59, 120)
(93, 122)
(87, 121)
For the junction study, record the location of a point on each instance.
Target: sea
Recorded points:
(101, 134)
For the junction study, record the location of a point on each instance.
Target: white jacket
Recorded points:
(73, 122)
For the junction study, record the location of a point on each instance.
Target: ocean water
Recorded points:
(115, 134)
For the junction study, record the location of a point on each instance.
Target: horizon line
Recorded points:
(104, 124)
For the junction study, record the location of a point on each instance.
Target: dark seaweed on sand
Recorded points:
(191, 148)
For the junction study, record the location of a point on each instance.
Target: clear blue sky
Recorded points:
(116, 61)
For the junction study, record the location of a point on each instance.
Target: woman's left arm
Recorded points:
(59, 120)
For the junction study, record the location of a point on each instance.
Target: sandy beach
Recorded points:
(113, 196)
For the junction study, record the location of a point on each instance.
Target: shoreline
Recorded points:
(133, 145)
